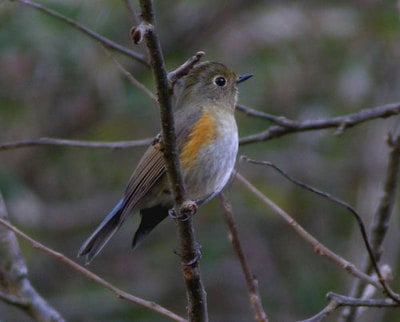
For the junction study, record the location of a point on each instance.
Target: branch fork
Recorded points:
(137, 33)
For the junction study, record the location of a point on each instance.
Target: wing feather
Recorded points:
(151, 166)
(149, 170)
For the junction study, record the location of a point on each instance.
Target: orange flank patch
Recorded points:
(202, 133)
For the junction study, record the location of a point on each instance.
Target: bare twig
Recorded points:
(340, 122)
(18, 290)
(130, 77)
(74, 143)
(350, 301)
(163, 94)
(273, 132)
(318, 247)
(88, 274)
(103, 40)
(185, 68)
(251, 281)
(279, 120)
(197, 305)
(338, 300)
(380, 221)
(371, 255)
(326, 311)
(381, 218)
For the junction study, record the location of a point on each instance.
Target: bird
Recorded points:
(207, 142)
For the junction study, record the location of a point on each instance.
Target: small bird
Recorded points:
(207, 143)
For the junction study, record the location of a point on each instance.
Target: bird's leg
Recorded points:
(187, 210)
(196, 255)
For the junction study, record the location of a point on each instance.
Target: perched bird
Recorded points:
(207, 143)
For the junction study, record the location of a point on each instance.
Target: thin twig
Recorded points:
(374, 261)
(350, 301)
(251, 281)
(88, 274)
(326, 311)
(130, 77)
(74, 143)
(103, 40)
(273, 132)
(197, 304)
(319, 248)
(185, 68)
(337, 300)
(340, 122)
(380, 220)
(279, 120)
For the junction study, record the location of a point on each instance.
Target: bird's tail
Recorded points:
(107, 228)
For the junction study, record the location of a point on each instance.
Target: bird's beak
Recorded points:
(243, 77)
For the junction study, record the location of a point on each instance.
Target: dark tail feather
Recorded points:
(107, 228)
(150, 218)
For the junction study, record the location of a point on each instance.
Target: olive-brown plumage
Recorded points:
(207, 141)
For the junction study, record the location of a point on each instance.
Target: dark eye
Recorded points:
(220, 81)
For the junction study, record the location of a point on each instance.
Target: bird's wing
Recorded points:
(149, 169)
(152, 165)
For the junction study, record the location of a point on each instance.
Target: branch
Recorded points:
(163, 95)
(172, 76)
(103, 40)
(185, 68)
(337, 300)
(197, 305)
(18, 290)
(318, 247)
(74, 143)
(251, 281)
(380, 222)
(371, 255)
(130, 77)
(380, 112)
(350, 301)
(279, 120)
(88, 274)
(327, 310)
(340, 122)
(381, 218)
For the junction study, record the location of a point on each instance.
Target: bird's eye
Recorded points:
(220, 81)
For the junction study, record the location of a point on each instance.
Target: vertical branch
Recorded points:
(163, 95)
(380, 221)
(197, 306)
(18, 290)
(252, 284)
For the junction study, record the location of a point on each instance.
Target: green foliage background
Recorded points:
(310, 60)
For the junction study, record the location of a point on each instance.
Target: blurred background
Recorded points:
(310, 60)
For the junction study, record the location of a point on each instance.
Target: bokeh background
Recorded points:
(310, 59)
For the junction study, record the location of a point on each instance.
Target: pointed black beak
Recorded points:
(243, 77)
